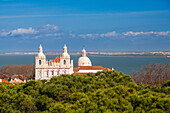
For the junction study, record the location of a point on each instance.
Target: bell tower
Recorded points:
(65, 57)
(40, 58)
(40, 62)
(65, 62)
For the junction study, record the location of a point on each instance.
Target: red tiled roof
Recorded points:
(88, 68)
(56, 60)
(106, 69)
(76, 69)
(4, 81)
(16, 81)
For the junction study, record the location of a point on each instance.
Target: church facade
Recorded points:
(45, 69)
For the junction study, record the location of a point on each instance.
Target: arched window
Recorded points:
(52, 72)
(47, 72)
(64, 62)
(39, 62)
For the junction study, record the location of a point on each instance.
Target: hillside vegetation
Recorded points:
(105, 92)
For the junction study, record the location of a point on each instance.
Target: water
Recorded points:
(125, 64)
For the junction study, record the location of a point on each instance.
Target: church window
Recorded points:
(39, 62)
(64, 71)
(52, 72)
(47, 73)
(64, 62)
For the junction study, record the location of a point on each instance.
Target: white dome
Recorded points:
(84, 60)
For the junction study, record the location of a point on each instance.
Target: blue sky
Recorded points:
(99, 25)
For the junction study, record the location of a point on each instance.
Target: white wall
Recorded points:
(88, 71)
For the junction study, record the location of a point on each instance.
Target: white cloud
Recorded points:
(50, 28)
(39, 32)
(88, 35)
(4, 33)
(72, 35)
(22, 31)
(164, 33)
(131, 33)
(53, 32)
(102, 35)
(109, 34)
(36, 37)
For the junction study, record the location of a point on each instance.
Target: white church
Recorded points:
(45, 69)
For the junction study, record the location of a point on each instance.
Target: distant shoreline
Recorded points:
(136, 54)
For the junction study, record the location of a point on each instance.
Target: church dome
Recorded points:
(84, 60)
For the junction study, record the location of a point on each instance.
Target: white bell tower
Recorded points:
(40, 61)
(45, 69)
(40, 58)
(65, 57)
(65, 62)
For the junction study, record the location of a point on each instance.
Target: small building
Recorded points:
(84, 65)
(16, 81)
(2, 80)
(89, 69)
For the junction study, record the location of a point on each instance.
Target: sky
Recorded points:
(97, 25)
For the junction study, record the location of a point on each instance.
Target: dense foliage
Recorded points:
(103, 92)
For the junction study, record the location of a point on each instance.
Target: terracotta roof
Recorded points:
(4, 81)
(106, 69)
(20, 81)
(13, 82)
(16, 81)
(76, 69)
(56, 60)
